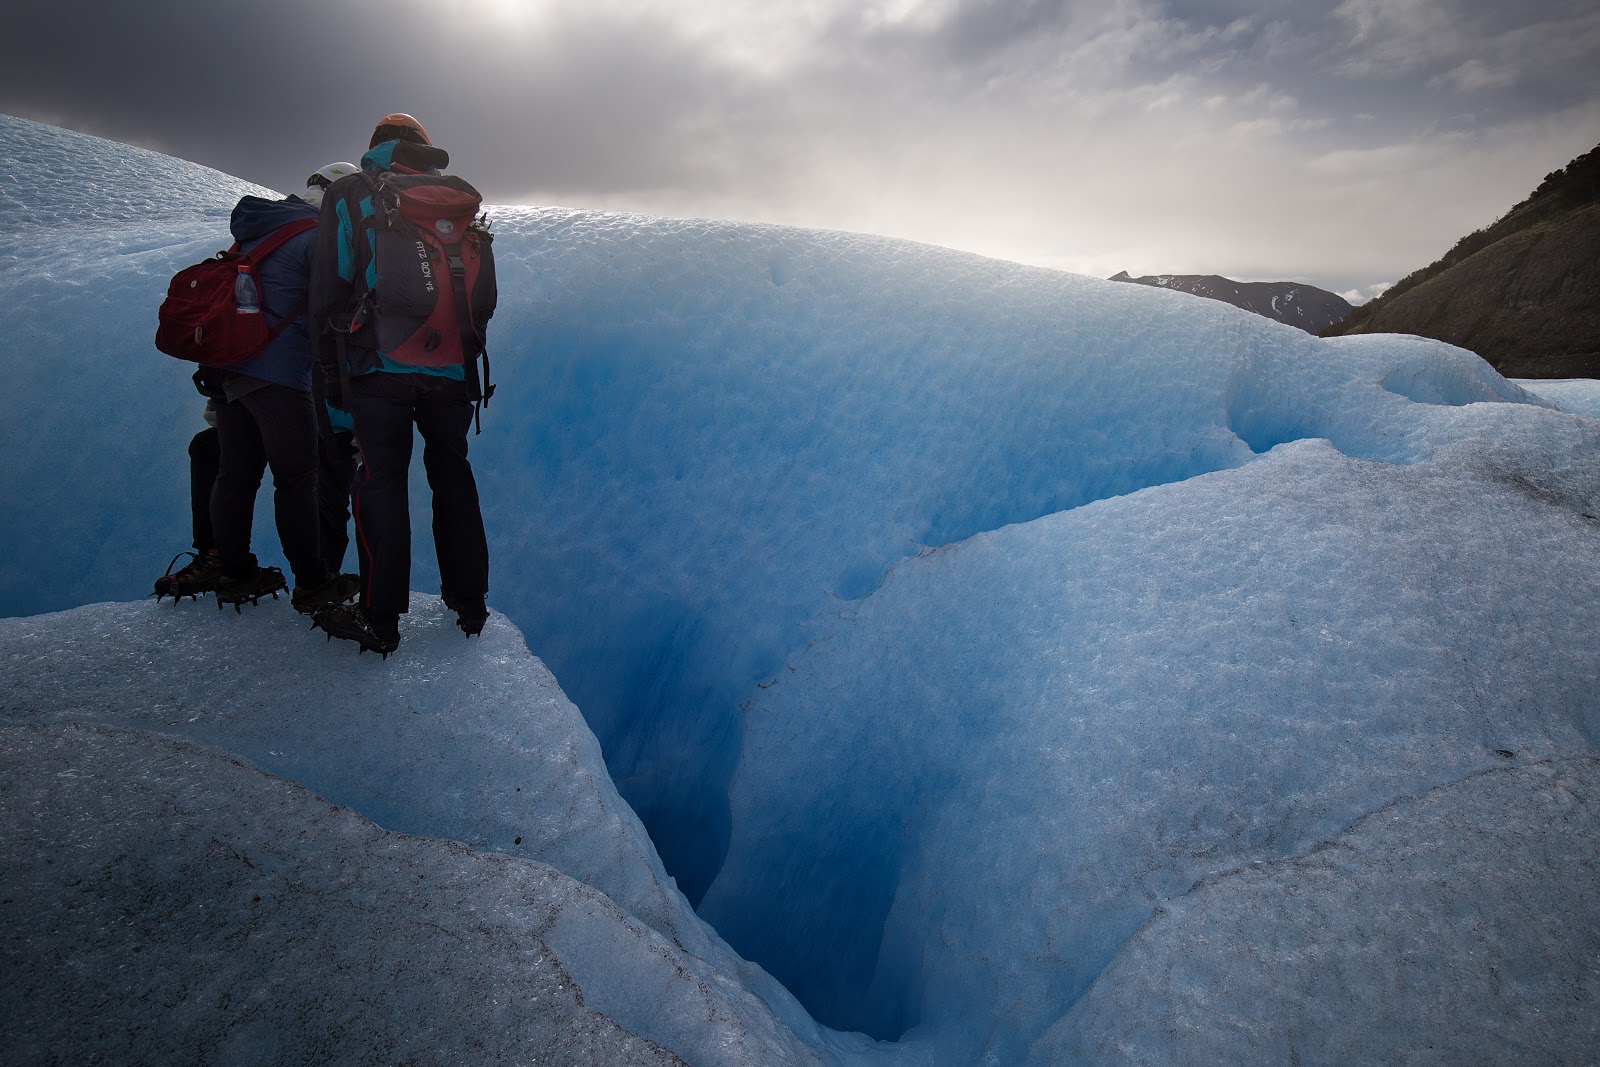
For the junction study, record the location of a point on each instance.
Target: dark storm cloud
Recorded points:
(568, 103)
(175, 76)
(1149, 135)
(1407, 59)
(596, 106)
(1367, 54)
(590, 98)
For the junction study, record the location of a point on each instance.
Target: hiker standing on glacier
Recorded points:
(402, 292)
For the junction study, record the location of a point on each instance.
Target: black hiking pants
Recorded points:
(336, 471)
(273, 426)
(203, 450)
(384, 407)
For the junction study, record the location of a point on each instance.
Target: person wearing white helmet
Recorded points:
(336, 449)
(323, 177)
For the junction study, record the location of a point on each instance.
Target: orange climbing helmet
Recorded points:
(398, 127)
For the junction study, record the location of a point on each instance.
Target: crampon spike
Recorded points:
(168, 573)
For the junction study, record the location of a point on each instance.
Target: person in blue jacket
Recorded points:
(266, 419)
(335, 463)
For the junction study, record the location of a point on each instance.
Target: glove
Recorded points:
(332, 387)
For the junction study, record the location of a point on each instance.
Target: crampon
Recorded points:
(250, 589)
(471, 613)
(199, 575)
(352, 622)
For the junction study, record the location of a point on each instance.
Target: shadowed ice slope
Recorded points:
(212, 914)
(1311, 938)
(551, 924)
(987, 776)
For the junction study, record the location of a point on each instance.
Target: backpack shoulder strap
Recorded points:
(270, 244)
(472, 346)
(367, 222)
(277, 239)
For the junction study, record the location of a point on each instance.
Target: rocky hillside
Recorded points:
(1305, 306)
(1524, 293)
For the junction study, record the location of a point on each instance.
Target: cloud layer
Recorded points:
(1280, 140)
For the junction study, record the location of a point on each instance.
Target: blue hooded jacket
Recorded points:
(284, 280)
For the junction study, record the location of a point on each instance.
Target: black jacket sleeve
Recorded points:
(333, 281)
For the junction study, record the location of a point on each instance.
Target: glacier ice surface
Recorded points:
(955, 627)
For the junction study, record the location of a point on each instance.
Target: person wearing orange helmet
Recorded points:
(398, 127)
(390, 388)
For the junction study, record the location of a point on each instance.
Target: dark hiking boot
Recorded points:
(198, 576)
(471, 613)
(352, 622)
(250, 587)
(337, 589)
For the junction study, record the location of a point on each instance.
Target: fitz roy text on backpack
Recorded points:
(433, 288)
(201, 321)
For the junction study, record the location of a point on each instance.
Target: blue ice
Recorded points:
(987, 650)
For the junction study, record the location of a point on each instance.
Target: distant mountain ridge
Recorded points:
(1524, 293)
(1305, 306)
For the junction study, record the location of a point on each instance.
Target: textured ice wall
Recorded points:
(1452, 928)
(711, 435)
(169, 904)
(97, 422)
(470, 741)
(707, 435)
(980, 782)
(1581, 395)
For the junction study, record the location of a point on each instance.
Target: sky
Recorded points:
(1340, 144)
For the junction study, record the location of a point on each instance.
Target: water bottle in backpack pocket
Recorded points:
(246, 298)
(212, 311)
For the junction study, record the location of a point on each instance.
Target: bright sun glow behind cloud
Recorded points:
(1343, 145)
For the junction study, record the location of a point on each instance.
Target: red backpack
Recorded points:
(432, 269)
(200, 320)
